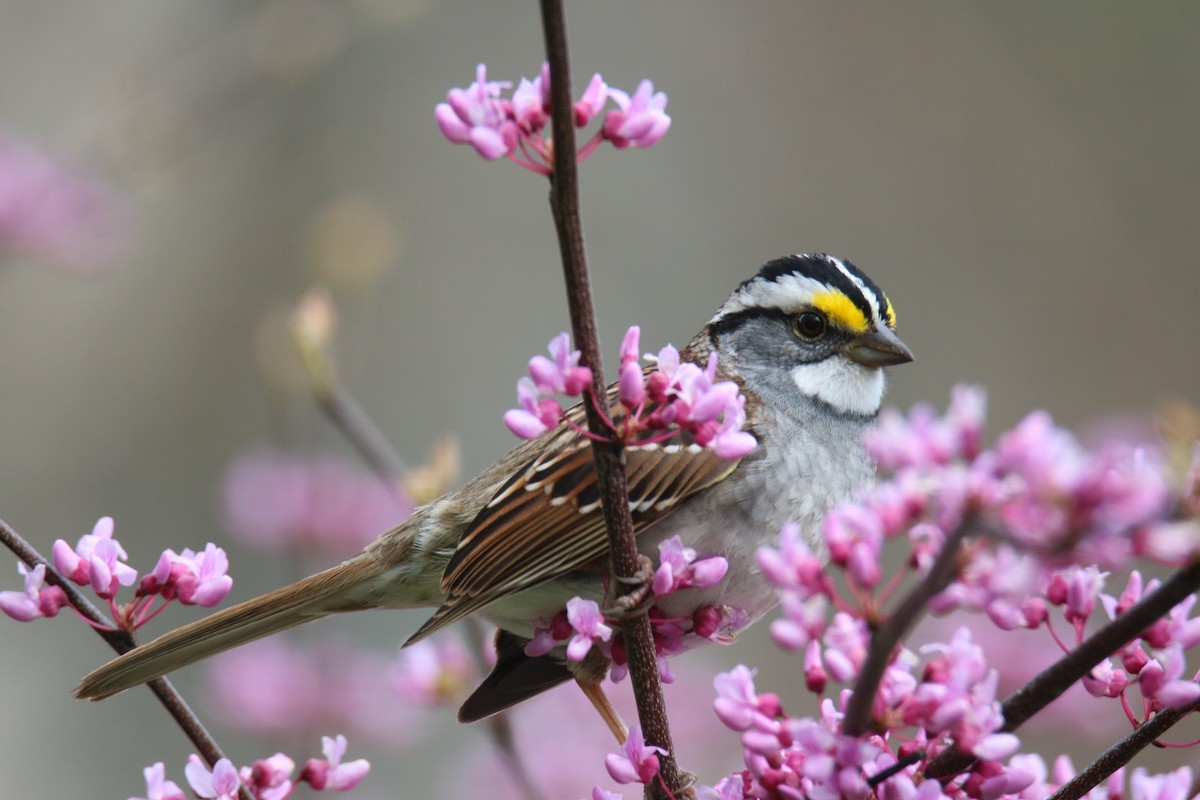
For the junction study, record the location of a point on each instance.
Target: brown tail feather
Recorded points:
(304, 601)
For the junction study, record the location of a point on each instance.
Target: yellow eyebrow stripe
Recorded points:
(841, 309)
(891, 312)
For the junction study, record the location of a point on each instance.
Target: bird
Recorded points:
(806, 339)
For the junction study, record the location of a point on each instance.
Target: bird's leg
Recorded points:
(594, 692)
(638, 600)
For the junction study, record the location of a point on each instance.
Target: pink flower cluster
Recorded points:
(672, 399)
(279, 501)
(266, 779)
(276, 686)
(49, 211)
(582, 626)
(515, 128)
(1054, 517)
(98, 560)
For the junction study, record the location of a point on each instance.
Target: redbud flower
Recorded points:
(37, 600)
(478, 117)
(199, 579)
(432, 672)
(157, 787)
(284, 501)
(1168, 786)
(592, 102)
(220, 784)
(589, 627)
(677, 571)
(539, 411)
(637, 762)
(96, 560)
(601, 794)
(531, 102)
(48, 211)
(271, 778)
(332, 773)
(632, 387)
(739, 706)
(1160, 679)
(641, 121)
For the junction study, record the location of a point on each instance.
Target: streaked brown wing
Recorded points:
(546, 521)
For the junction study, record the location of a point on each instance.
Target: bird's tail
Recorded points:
(306, 600)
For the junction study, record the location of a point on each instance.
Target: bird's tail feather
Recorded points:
(306, 600)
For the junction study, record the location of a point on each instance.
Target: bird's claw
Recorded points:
(638, 600)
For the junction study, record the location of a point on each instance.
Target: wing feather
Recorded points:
(547, 522)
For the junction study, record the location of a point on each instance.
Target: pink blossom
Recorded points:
(271, 778)
(595, 96)
(157, 787)
(631, 386)
(846, 639)
(1161, 679)
(220, 784)
(196, 578)
(1167, 786)
(283, 501)
(601, 794)
(51, 212)
(531, 102)
(803, 620)
(641, 120)
(562, 374)
(478, 117)
(95, 560)
(433, 672)
(637, 762)
(537, 414)
(547, 634)
(678, 568)
(37, 600)
(794, 565)
(331, 773)
(738, 704)
(589, 627)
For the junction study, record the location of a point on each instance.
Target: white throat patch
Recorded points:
(841, 383)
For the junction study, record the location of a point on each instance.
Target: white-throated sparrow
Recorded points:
(806, 340)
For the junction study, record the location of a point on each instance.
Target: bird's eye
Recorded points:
(809, 326)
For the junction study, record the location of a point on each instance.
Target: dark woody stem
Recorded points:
(609, 455)
(1121, 753)
(122, 642)
(1059, 676)
(885, 638)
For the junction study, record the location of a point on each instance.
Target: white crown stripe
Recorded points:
(873, 301)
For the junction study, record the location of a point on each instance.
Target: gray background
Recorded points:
(1021, 178)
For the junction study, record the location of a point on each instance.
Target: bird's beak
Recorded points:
(878, 347)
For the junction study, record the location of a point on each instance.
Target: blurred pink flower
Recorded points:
(277, 501)
(221, 783)
(331, 773)
(433, 672)
(49, 211)
(36, 601)
(274, 687)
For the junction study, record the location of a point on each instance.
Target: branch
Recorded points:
(609, 455)
(1059, 676)
(1121, 753)
(885, 638)
(122, 642)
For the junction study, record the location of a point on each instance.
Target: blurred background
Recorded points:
(1021, 178)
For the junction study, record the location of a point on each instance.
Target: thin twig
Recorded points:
(122, 642)
(885, 637)
(1122, 753)
(609, 456)
(1062, 674)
